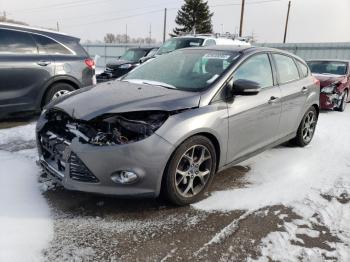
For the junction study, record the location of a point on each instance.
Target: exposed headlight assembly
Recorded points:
(126, 128)
(329, 89)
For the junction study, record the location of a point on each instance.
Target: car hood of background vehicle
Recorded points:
(116, 64)
(120, 97)
(326, 80)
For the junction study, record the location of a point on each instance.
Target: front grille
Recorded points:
(79, 172)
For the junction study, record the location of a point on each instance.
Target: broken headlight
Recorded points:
(329, 89)
(125, 128)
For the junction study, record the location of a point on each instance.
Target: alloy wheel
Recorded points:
(59, 94)
(309, 126)
(193, 171)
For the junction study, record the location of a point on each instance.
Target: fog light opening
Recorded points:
(124, 177)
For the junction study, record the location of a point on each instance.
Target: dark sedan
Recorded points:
(334, 77)
(124, 64)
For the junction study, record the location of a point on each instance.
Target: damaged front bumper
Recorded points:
(330, 100)
(82, 166)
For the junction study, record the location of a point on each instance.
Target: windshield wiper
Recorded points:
(150, 83)
(156, 83)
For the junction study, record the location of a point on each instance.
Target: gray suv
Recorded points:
(170, 126)
(37, 66)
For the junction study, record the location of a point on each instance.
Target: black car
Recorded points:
(125, 63)
(37, 66)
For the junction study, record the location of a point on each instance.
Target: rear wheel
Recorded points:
(56, 91)
(190, 171)
(342, 105)
(306, 128)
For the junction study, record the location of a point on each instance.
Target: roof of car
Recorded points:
(143, 48)
(33, 30)
(329, 60)
(243, 49)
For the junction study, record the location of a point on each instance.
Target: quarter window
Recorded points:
(15, 42)
(304, 69)
(210, 42)
(286, 68)
(49, 46)
(257, 69)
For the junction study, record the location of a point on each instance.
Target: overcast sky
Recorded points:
(310, 20)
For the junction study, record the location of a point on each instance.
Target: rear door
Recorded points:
(22, 71)
(294, 89)
(254, 120)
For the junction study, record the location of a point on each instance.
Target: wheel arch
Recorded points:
(63, 79)
(208, 135)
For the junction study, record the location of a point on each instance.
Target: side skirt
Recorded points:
(272, 145)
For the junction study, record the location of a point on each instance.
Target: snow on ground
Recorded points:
(313, 181)
(21, 133)
(25, 224)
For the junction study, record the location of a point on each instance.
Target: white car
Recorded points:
(198, 40)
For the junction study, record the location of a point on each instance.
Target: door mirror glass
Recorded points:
(245, 87)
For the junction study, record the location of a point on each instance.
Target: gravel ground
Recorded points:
(98, 228)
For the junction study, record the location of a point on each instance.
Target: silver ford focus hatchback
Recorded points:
(169, 125)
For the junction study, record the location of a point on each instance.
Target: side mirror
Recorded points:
(245, 87)
(118, 57)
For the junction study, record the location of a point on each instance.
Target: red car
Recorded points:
(334, 77)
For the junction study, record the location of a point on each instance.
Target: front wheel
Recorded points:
(190, 171)
(306, 128)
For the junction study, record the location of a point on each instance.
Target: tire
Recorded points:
(307, 125)
(195, 175)
(342, 106)
(57, 90)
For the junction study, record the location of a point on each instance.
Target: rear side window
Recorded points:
(15, 42)
(257, 69)
(286, 68)
(210, 42)
(48, 46)
(304, 69)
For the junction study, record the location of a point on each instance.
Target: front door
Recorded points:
(254, 120)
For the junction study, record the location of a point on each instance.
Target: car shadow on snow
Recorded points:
(87, 204)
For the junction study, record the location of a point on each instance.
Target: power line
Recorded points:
(117, 18)
(60, 5)
(114, 12)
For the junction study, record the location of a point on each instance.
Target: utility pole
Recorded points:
(58, 26)
(242, 15)
(126, 33)
(165, 18)
(5, 18)
(150, 34)
(286, 27)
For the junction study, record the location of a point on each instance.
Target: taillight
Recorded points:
(90, 63)
(316, 81)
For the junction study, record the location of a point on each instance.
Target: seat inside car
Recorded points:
(214, 66)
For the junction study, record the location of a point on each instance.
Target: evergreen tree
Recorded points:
(194, 17)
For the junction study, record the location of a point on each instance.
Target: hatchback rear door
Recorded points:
(294, 90)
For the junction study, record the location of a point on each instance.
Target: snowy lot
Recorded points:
(287, 204)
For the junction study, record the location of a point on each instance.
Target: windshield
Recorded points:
(188, 69)
(328, 67)
(133, 55)
(178, 43)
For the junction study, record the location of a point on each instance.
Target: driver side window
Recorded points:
(257, 69)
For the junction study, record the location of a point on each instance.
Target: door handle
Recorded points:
(273, 100)
(304, 90)
(43, 63)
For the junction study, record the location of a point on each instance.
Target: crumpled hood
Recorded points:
(326, 80)
(119, 97)
(116, 64)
